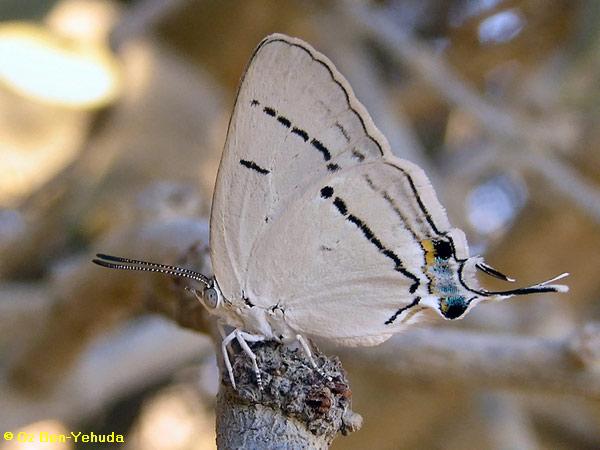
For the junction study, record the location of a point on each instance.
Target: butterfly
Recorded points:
(316, 228)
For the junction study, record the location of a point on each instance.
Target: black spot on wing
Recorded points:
(254, 103)
(327, 192)
(333, 167)
(252, 165)
(442, 249)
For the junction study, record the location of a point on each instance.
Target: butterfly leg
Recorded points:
(224, 345)
(309, 355)
(243, 338)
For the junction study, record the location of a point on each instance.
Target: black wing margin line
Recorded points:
(325, 64)
(414, 303)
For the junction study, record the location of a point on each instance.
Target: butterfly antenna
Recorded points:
(120, 263)
(535, 289)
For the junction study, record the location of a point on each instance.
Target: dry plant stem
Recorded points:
(141, 17)
(422, 61)
(509, 425)
(298, 408)
(86, 300)
(137, 357)
(490, 360)
(508, 125)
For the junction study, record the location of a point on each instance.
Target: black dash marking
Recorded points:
(319, 146)
(303, 134)
(266, 219)
(324, 248)
(334, 77)
(377, 243)
(269, 111)
(343, 131)
(364, 228)
(370, 183)
(358, 155)
(247, 300)
(284, 121)
(254, 103)
(327, 192)
(397, 210)
(417, 197)
(390, 254)
(341, 206)
(332, 167)
(252, 165)
(415, 302)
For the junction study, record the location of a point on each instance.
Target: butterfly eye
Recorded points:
(453, 307)
(442, 249)
(211, 298)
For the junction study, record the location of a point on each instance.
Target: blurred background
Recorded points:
(113, 115)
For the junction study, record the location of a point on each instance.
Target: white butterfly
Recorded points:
(316, 228)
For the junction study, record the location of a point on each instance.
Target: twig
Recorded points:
(136, 357)
(296, 399)
(86, 301)
(353, 61)
(141, 17)
(490, 360)
(298, 407)
(508, 423)
(423, 63)
(519, 134)
(564, 179)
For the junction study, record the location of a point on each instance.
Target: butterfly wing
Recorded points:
(278, 238)
(347, 258)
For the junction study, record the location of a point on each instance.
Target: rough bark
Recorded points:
(297, 408)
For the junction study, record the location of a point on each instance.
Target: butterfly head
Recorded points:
(212, 298)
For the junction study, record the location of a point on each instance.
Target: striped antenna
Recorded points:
(120, 263)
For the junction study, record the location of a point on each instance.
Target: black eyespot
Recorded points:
(453, 307)
(327, 192)
(442, 249)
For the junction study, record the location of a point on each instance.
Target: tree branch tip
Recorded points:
(584, 346)
(321, 402)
